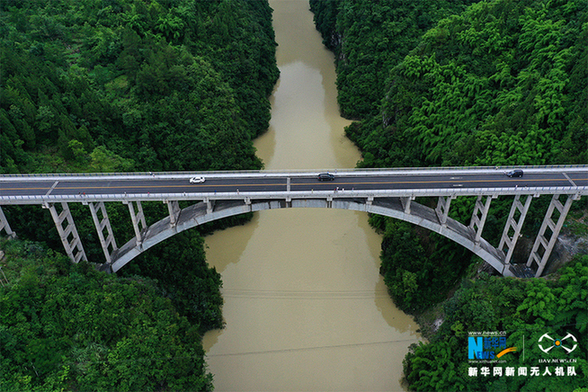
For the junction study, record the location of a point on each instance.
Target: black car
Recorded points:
(326, 177)
(515, 173)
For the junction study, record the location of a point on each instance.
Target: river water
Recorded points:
(305, 308)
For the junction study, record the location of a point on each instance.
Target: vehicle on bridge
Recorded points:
(197, 180)
(326, 177)
(515, 173)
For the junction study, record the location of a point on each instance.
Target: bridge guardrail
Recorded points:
(337, 193)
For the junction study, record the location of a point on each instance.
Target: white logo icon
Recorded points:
(557, 343)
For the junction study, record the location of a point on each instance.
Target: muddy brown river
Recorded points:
(305, 308)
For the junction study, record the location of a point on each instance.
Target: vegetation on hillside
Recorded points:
(369, 38)
(131, 85)
(134, 85)
(65, 326)
(504, 83)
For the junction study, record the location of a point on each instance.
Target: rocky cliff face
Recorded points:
(567, 246)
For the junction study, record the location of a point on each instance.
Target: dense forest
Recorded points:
(134, 85)
(491, 83)
(504, 83)
(122, 85)
(67, 327)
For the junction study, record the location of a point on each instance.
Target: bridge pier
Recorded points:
(477, 222)
(69, 235)
(174, 212)
(515, 224)
(5, 226)
(406, 203)
(442, 209)
(329, 201)
(544, 245)
(108, 243)
(209, 205)
(138, 219)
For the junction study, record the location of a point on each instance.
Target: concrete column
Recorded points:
(406, 203)
(108, 243)
(138, 220)
(477, 222)
(69, 235)
(542, 240)
(209, 205)
(329, 201)
(442, 209)
(174, 212)
(4, 225)
(288, 184)
(515, 225)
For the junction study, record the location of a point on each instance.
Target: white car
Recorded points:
(197, 180)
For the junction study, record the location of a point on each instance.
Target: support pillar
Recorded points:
(548, 243)
(516, 224)
(4, 225)
(406, 203)
(138, 219)
(209, 205)
(69, 235)
(108, 242)
(477, 222)
(174, 212)
(442, 209)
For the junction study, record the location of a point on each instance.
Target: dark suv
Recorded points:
(326, 177)
(515, 173)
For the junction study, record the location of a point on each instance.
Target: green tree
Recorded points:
(106, 161)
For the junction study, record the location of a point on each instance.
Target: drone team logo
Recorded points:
(568, 343)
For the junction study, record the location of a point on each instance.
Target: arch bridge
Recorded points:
(388, 192)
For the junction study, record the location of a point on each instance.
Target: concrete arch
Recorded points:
(201, 213)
